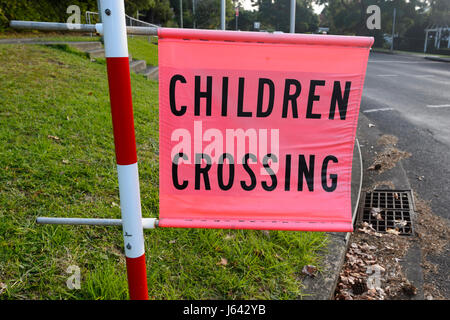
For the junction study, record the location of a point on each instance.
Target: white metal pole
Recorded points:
(52, 26)
(292, 27)
(56, 26)
(193, 13)
(147, 223)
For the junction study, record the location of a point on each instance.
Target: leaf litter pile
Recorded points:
(372, 269)
(433, 232)
(388, 158)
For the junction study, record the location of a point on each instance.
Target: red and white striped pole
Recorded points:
(116, 52)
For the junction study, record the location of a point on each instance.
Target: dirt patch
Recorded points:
(432, 230)
(382, 184)
(372, 269)
(387, 140)
(433, 233)
(389, 156)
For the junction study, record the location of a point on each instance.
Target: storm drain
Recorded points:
(388, 209)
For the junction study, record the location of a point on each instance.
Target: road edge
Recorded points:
(323, 285)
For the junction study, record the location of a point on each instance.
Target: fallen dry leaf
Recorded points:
(377, 234)
(223, 262)
(400, 223)
(393, 231)
(53, 137)
(375, 167)
(309, 270)
(376, 213)
(279, 257)
(3, 287)
(368, 225)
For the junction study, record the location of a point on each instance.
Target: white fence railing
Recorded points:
(92, 18)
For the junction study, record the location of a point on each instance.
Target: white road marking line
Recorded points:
(394, 61)
(376, 110)
(422, 75)
(438, 106)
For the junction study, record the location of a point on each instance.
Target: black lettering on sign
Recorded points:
(240, 107)
(259, 112)
(342, 101)
(303, 170)
(222, 158)
(175, 182)
(202, 171)
(224, 96)
(291, 97)
(250, 172)
(313, 97)
(333, 177)
(287, 175)
(203, 94)
(269, 170)
(173, 107)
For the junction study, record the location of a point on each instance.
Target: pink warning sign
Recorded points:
(257, 130)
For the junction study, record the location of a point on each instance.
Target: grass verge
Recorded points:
(143, 48)
(413, 53)
(48, 36)
(57, 159)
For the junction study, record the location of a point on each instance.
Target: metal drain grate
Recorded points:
(397, 210)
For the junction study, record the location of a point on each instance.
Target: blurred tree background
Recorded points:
(349, 17)
(346, 17)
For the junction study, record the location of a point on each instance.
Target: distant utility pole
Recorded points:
(393, 31)
(99, 10)
(222, 15)
(181, 13)
(237, 17)
(292, 29)
(193, 13)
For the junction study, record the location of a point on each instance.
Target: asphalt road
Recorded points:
(409, 97)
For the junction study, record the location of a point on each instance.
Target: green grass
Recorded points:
(48, 36)
(57, 159)
(141, 48)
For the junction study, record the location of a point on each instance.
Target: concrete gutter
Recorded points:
(411, 262)
(322, 286)
(441, 59)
